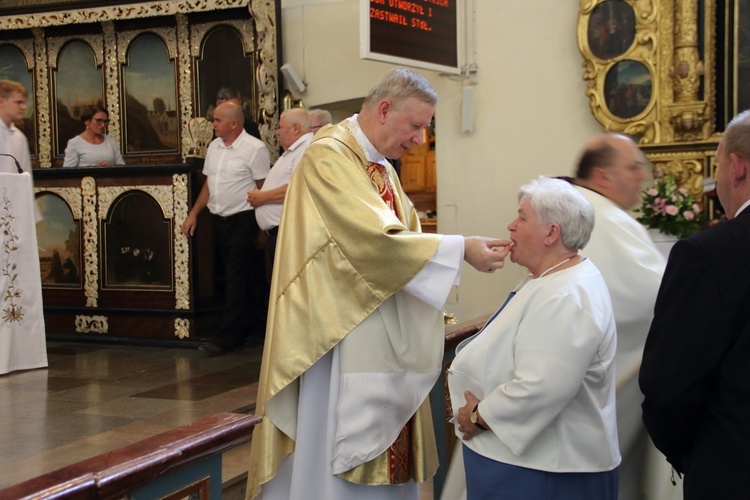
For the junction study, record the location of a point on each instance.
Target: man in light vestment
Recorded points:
(355, 328)
(610, 176)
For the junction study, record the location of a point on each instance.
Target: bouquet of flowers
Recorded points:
(669, 208)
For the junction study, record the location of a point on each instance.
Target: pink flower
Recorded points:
(652, 192)
(696, 208)
(671, 210)
(688, 215)
(683, 191)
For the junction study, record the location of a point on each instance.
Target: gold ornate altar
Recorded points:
(667, 73)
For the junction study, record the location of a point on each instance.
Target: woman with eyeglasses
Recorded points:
(92, 147)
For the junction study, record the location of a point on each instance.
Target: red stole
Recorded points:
(381, 181)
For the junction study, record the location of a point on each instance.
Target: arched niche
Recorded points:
(78, 84)
(225, 60)
(150, 104)
(136, 244)
(59, 240)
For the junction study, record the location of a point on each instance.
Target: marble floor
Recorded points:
(94, 398)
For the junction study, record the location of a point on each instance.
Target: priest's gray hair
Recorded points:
(555, 201)
(398, 85)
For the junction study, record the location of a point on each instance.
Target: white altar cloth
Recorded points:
(22, 337)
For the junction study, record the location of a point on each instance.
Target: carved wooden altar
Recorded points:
(103, 47)
(115, 265)
(669, 73)
(114, 262)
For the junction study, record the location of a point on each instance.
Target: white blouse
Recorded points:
(543, 370)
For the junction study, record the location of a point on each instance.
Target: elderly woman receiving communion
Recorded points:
(533, 393)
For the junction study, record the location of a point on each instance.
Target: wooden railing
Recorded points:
(439, 400)
(176, 464)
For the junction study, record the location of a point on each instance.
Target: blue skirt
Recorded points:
(487, 479)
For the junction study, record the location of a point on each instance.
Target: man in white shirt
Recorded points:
(13, 98)
(235, 163)
(319, 118)
(294, 136)
(610, 176)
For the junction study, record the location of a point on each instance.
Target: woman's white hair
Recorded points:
(555, 201)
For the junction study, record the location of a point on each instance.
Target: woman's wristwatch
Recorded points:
(475, 418)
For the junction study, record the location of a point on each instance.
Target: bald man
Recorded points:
(695, 373)
(610, 175)
(235, 163)
(295, 133)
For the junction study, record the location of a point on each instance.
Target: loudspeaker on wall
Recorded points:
(292, 78)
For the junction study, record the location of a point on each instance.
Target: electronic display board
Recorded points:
(419, 33)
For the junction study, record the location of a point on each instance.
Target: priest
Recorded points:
(355, 329)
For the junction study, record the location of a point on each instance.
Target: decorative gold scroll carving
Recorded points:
(182, 328)
(199, 133)
(127, 11)
(644, 50)
(112, 80)
(92, 324)
(90, 242)
(181, 246)
(688, 168)
(71, 195)
(185, 72)
(162, 195)
(264, 13)
(667, 43)
(42, 103)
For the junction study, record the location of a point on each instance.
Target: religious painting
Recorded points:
(13, 67)
(611, 29)
(136, 244)
(627, 88)
(223, 63)
(151, 115)
(59, 240)
(78, 86)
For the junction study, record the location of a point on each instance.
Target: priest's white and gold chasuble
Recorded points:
(349, 241)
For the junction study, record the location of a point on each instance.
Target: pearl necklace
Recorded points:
(553, 267)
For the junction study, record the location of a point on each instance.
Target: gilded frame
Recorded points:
(676, 41)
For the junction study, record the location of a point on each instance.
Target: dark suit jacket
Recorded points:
(696, 364)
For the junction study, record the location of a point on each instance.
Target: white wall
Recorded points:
(531, 116)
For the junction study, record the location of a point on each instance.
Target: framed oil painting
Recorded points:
(223, 63)
(59, 241)
(78, 86)
(137, 244)
(611, 29)
(627, 88)
(151, 114)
